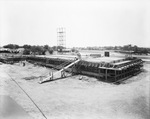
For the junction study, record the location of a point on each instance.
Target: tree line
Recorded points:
(41, 50)
(34, 49)
(135, 49)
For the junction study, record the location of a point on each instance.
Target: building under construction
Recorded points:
(108, 69)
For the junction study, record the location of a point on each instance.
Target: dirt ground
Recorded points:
(71, 98)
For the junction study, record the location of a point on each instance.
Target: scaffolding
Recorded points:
(61, 37)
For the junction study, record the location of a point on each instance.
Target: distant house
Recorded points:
(16, 51)
(5, 50)
(47, 52)
(20, 50)
(66, 50)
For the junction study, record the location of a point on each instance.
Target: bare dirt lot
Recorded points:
(71, 98)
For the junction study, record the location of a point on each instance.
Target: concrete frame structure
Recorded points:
(113, 71)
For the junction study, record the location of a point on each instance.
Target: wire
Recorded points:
(28, 96)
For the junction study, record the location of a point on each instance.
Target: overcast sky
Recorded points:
(87, 22)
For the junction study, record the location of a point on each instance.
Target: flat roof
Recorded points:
(121, 62)
(103, 59)
(85, 58)
(69, 57)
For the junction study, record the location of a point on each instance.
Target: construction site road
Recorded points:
(75, 97)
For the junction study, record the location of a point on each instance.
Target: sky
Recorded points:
(87, 22)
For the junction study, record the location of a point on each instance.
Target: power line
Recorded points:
(28, 96)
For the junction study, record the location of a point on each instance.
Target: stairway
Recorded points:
(58, 74)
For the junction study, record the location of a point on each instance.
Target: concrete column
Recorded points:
(106, 75)
(115, 75)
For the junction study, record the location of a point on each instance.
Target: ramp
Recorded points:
(58, 74)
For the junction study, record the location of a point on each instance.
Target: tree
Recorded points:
(127, 47)
(51, 51)
(73, 50)
(37, 49)
(26, 46)
(135, 48)
(60, 48)
(11, 46)
(26, 52)
(54, 48)
(46, 47)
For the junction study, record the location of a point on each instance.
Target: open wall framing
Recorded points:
(112, 71)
